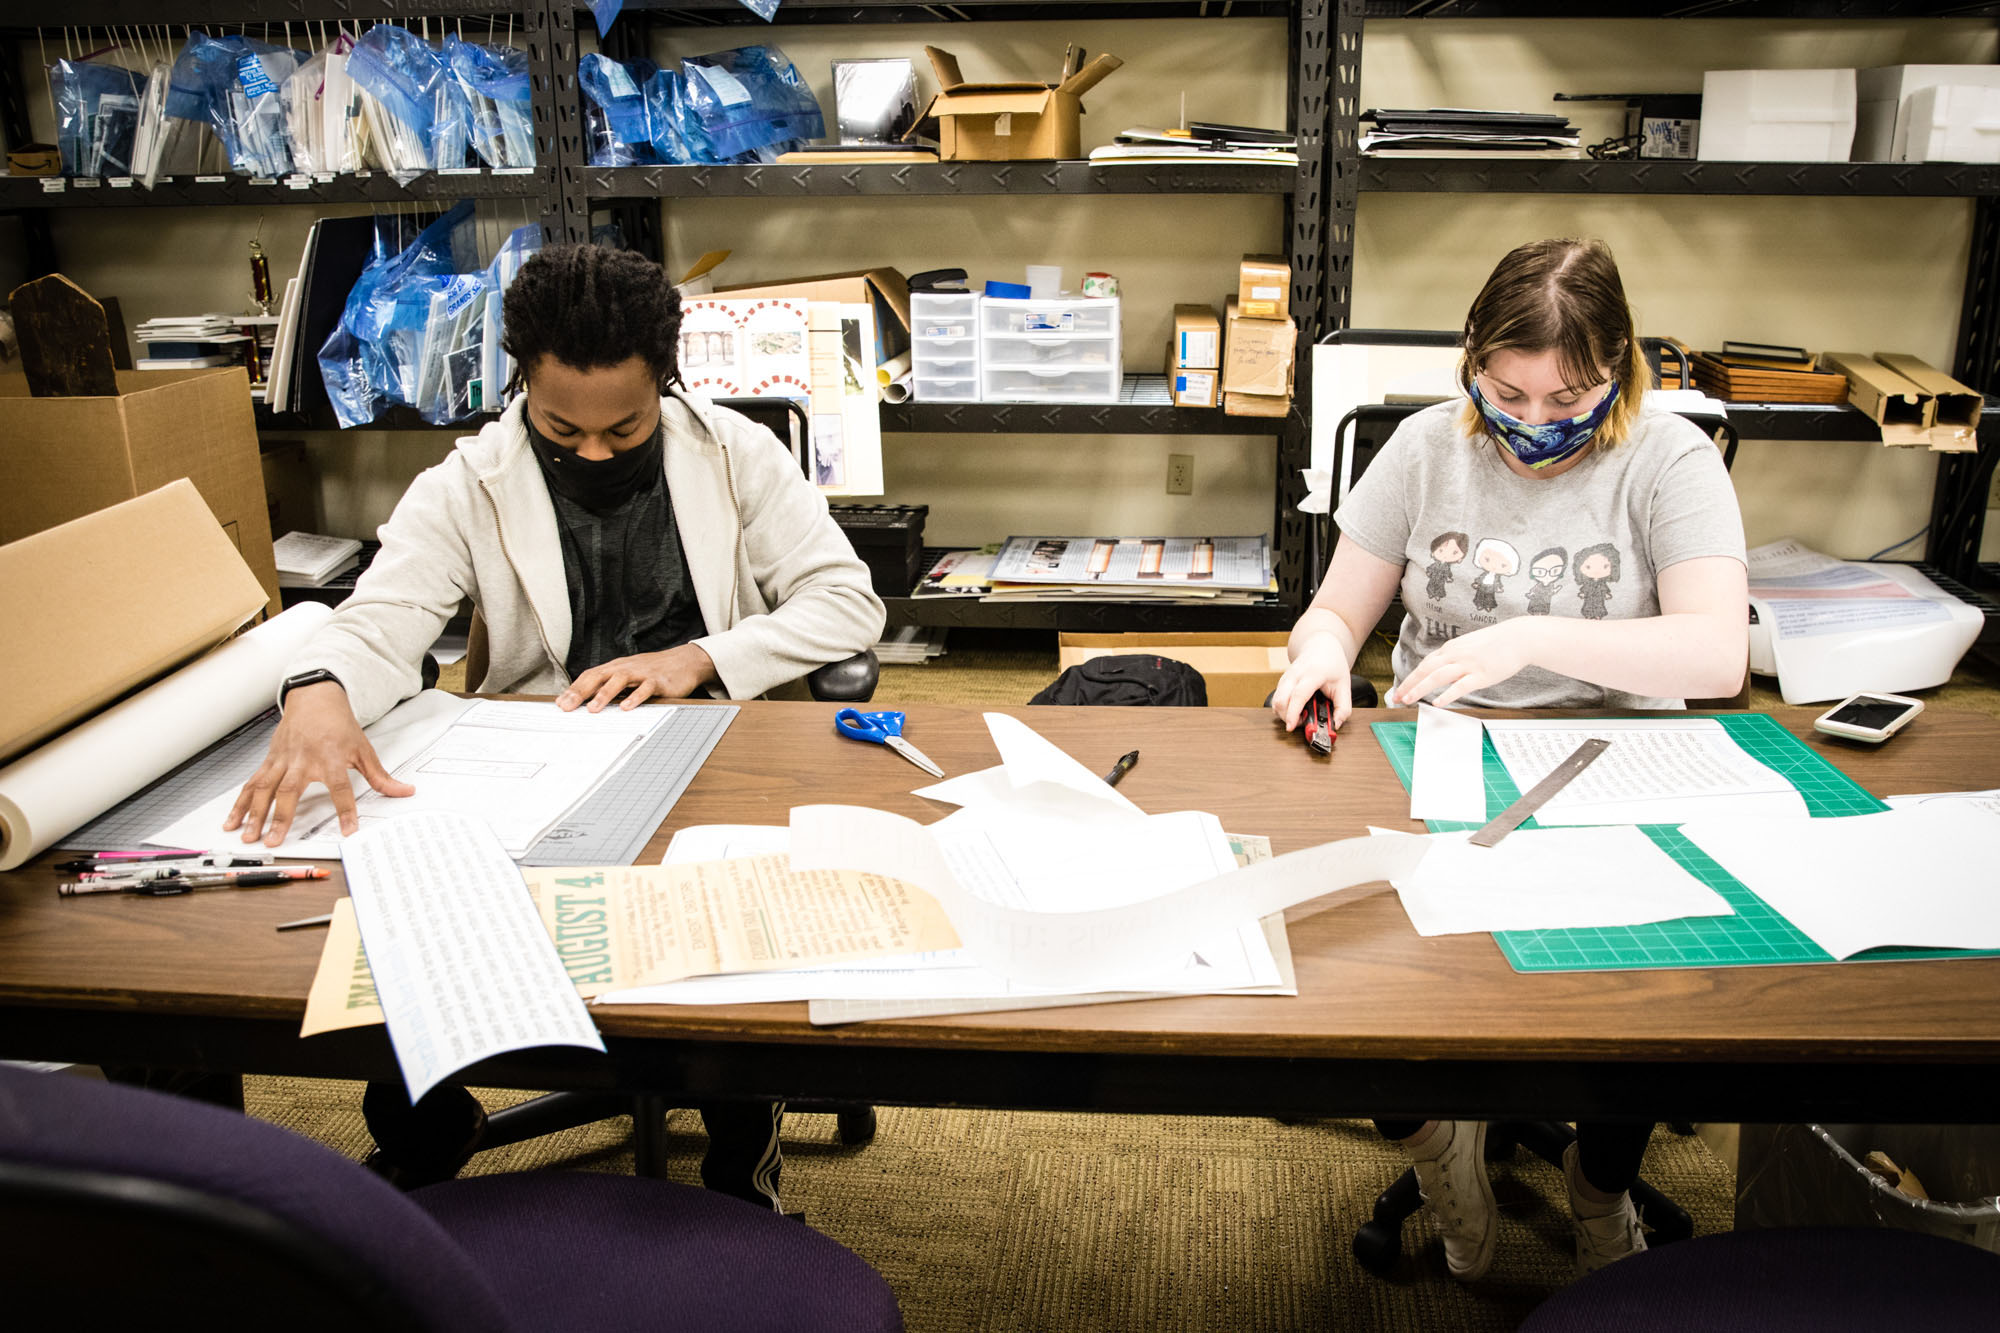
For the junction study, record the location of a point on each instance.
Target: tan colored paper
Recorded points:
(619, 927)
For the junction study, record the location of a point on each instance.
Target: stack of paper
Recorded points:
(967, 573)
(309, 559)
(1175, 569)
(1458, 132)
(1210, 145)
(911, 645)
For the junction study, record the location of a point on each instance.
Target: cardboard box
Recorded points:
(1255, 405)
(1193, 388)
(1238, 668)
(885, 288)
(1264, 287)
(1197, 341)
(1881, 101)
(1006, 122)
(1258, 356)
(104, 603)
(1953, 415)
(62, 458)
(1886, 397)
(1777, 115)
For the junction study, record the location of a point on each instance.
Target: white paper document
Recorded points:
(518, 766)
(1985, 800)
(1921, 876)
(462, 963)
(1447, 779)
(1657, 771)
(1551, 879)
(1102, 948)
(1034, 776)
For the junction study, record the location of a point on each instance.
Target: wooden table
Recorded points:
(1385, 1023)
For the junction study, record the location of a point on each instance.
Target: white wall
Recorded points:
(1861, 273)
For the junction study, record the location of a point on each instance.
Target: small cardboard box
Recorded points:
(1238, 668)
(1258, 356)
(1887, 397)
(1949, 123)
(1006, 122)
(1197, 338)
(1193, 388)
(1254, 405)
(1954, 411)
(1777, 115)
(1264, 287)
(104, 603)
(62, 458)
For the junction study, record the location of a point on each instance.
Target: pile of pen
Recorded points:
(169, 873)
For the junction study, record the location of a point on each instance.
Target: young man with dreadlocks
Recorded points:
(618, 536)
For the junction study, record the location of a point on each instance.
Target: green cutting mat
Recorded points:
(1754, 937)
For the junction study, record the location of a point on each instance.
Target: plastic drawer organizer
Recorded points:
(944, 346)
(1056, 351)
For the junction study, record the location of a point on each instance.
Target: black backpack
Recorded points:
(1136, 678)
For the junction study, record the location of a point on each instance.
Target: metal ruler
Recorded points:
(1539, 795)
(611, 826)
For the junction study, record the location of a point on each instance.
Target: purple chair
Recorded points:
(132, 1205)
(1804, 1280)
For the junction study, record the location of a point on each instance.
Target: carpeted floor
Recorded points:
(1008, 1221)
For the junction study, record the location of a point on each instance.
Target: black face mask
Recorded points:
(596, 483)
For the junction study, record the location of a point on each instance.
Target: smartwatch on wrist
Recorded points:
(291, 683)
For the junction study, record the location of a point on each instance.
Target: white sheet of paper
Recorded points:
(1447, 779)
(519, 766)
(463, 966)
(1985, 800)
(1551, 879)
(1033, 772)
(1106, 948)
(1920, 876)
(1658, 771)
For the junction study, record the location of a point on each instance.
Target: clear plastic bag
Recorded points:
(97, 117)
(676, 135)
(490, 83)
(407, 89)
(232, 85)
(750, 98)
(615, 110)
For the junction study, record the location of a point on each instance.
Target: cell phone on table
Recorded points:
(1318, 723)
(1869, 717)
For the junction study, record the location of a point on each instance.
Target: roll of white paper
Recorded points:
(71, 779)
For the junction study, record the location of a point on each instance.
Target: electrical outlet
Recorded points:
(1180, 474)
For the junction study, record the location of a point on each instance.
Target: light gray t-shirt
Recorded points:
(1479, 544)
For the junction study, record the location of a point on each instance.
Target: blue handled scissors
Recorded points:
(882, 729)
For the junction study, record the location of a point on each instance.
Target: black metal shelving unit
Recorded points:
(1958, 510)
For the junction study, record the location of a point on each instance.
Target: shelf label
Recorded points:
(296, 182)
(458, 171)
(263, 180)
(325, 177)
(86, 182)
(513, 171)
(121, 182)
(54, 185)
(210, 180)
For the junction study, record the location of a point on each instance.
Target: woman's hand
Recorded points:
(673, 674)
(1321, 666)
(317, 740)
(1469, 662)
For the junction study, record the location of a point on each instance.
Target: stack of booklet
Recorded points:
(198, 342)
(1205, 570)
(1461, 132)
(309, 559)
(967, 573)
(1202, 142)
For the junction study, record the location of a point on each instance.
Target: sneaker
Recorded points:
(1452, 1178)
(1605, 1232)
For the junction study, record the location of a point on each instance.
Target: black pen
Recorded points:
(1121, 768)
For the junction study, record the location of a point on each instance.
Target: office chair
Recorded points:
(1802, 1280)
(126, 1204)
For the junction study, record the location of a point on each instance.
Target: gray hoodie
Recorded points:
(779, 586)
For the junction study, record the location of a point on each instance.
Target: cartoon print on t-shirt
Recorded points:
(1596, 571)
(1498, 560)
(1447, 549)
(1545, 571)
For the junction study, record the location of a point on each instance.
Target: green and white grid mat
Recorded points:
(1756, 936)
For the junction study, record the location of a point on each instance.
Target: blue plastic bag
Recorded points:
(233, 85)
(374, 357)
(615, 110)
(490, 84)
(407, 80)
(97, 117)
(750, 99)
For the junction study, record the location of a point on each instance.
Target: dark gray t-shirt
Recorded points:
(1479, 543)
(627, 576)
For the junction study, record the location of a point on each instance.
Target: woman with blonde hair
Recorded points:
(1553, 447)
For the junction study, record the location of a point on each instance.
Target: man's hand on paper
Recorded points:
(317, 740)
(673, 674)
(1469, 662)
(1321, 665)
